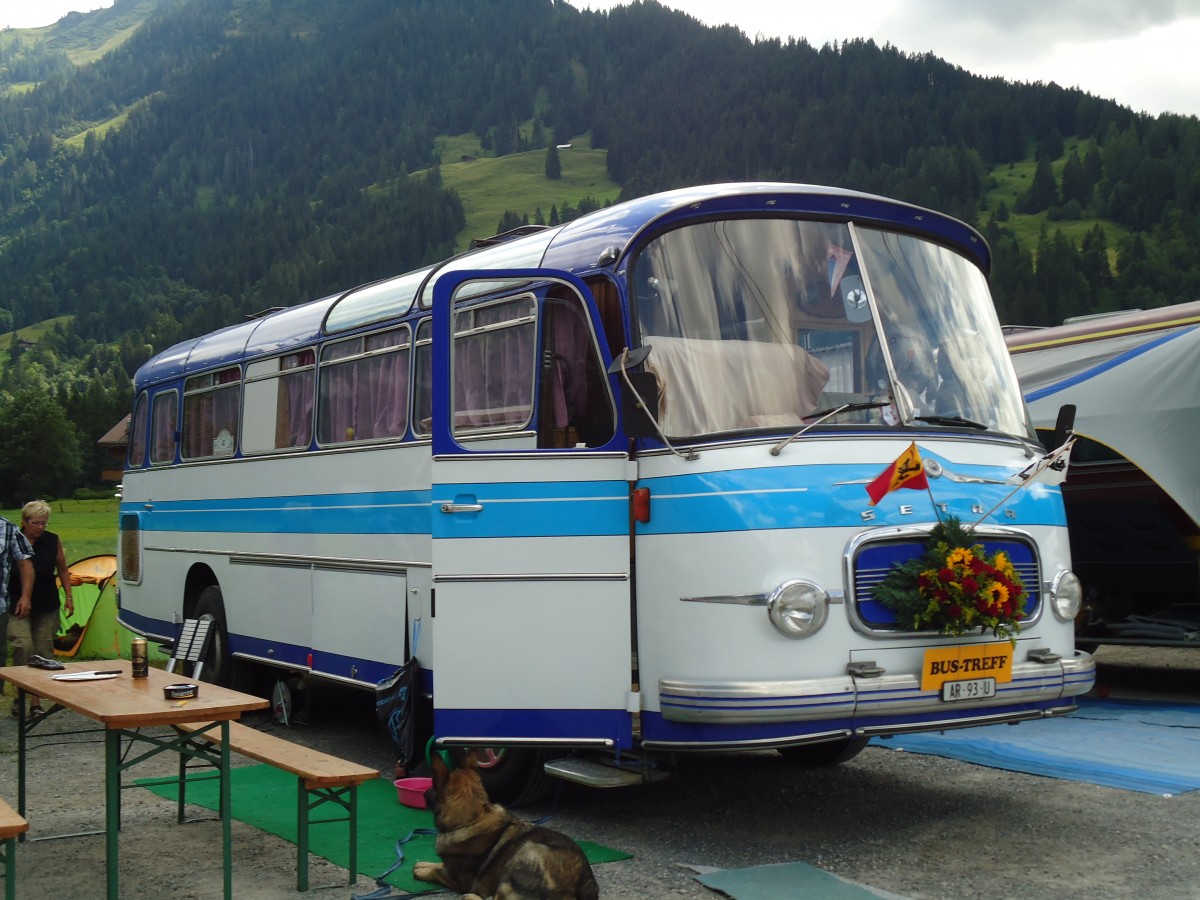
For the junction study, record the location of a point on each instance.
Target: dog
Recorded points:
(487, 852)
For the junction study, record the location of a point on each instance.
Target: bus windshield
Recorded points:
(762, 323)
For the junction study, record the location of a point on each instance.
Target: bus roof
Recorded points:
(585, 244)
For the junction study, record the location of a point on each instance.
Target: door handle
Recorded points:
(462, 507)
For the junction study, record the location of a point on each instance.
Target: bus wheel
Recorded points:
(217, 664)
(512, 776)
(829, 753)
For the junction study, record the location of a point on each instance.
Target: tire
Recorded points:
(512, 776)
(828, 753)
(218, 665)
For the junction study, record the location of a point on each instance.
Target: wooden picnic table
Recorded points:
(123, 706)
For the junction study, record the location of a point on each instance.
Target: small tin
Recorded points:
(138, 656)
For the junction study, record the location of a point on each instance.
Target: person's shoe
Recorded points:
(16, 709)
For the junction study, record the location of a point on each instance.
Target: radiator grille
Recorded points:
(873, 561)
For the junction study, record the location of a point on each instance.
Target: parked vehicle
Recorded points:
(607, 483)
(1133, 507)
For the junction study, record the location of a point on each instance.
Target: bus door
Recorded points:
(530, 508)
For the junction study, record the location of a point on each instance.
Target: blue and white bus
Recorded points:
(606, 483)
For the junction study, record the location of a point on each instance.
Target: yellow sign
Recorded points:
(960, 663)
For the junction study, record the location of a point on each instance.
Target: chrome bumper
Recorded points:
(866, 698)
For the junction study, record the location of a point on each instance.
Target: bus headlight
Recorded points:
(798, 608)
(1066, 595)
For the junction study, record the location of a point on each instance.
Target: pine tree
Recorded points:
(553, 163)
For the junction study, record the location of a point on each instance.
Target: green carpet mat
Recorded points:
(265, 797)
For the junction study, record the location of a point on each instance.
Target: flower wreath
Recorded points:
(954, 587)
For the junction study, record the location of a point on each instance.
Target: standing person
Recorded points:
(37, 614)
(14, 548)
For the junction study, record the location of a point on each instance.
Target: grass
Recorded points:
(1009, 182)
(86, 527)
(489, 186)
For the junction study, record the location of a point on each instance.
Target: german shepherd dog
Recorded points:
(487, 852)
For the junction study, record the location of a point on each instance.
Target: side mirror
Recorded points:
(1063, 426)
(640, 411)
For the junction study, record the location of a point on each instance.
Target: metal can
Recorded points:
(138, 656)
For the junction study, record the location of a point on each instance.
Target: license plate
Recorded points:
(966, 664)
(972, 689)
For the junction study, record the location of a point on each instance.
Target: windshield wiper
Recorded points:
(822, 414)
(952, 420)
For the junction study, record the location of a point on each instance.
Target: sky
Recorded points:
(1136, 52)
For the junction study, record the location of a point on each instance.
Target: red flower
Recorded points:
(946, 575)
(954, 611)
(970, 586)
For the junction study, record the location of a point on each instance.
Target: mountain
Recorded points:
(169, 166)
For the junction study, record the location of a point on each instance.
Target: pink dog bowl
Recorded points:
(411, 791)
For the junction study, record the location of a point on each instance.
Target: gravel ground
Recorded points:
(907, 825)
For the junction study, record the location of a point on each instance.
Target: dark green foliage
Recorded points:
(39, 448)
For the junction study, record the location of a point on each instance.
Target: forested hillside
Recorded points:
(169, 166)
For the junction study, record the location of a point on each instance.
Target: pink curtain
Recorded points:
(493, 372)
(166, 424)
(366, 398)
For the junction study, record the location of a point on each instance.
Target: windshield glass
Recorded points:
(762, 323)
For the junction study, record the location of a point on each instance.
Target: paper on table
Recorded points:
(85, 676)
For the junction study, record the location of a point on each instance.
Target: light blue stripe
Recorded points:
(832, 496)
(388, 512)
(533, 509)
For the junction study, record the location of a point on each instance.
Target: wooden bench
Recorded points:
(11, 825)
(320, 777)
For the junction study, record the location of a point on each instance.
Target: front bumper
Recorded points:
(882, 704)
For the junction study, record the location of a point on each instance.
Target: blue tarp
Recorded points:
(1133, 745)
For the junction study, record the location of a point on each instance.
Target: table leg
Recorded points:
(21, 753)
(112, 810)
(226, 812)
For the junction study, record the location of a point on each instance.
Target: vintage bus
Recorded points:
(606, 483)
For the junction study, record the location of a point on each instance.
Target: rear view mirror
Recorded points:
(639, 407)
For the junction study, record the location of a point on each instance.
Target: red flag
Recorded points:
(905, 472)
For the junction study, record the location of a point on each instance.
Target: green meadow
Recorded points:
(86, 527)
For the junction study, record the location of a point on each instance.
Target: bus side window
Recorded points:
(166, 428)
(422, 414)
(493, 366)
(211, 406)
(279, 403)
(575, 406)
(137, 433)
(608, 302)
(364, 388)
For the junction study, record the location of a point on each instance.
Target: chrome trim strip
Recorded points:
(532, 576)
(755, 744)
(288, 560)
(835, 597)
(528, 454)
(947, 725)
(731, 599)
(460, 741)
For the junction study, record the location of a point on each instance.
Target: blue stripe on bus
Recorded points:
(385, 512)
(830, 496)
(731, 501)
(533, 509)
